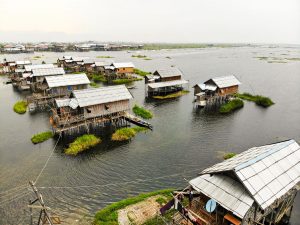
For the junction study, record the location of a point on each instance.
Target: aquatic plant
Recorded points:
(126, 133)
(98, 78)
(173, 95)
(258, 99)
(109, 214)
(140, 72)
(229, 155)
(36, 57)
(125, 80)
(142, 112)
(147, 58)
(231, 106)
(139, 56)
(104, 57)
(20, 107)
(41, 137)
(82, 143)
(95, 85)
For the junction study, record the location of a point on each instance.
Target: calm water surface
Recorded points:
(182, 143)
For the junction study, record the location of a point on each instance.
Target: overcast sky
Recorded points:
(226, 21)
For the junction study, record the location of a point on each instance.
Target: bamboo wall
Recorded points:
(124, 70)
(100, 110)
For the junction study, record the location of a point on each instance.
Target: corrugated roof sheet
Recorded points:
(226, 81)
(167, 83)
(229, 193)
(168, 72)
(102, 63)
(95, 96)
(67, 80)
(62, 102)
(208, 87)
(268, 172)
(38, 66)
(48, 71)
(24, 62)
(123, 64)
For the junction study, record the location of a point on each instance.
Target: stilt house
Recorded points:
(38, 77)
(63, 85)
(93, 107)
(164, 81)
(215, 88)
(257, 186)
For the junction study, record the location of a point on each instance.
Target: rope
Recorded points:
(60, 135)
(113, 184)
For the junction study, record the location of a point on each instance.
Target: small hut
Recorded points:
(62, 85)
(257, 186)
(90, 107)
(215, 90)
(99, 67)
(164, 81)
(38, 77)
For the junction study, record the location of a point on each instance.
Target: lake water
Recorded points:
(184, 141)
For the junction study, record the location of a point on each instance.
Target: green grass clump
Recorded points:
(229, 155)
(161, 200)
(20, 107)
(98, 78)
(104, 57)
(147, 58)
(95, 85)
(142, 112)
(231, 106)
(139, 56)
(82, 143)
(36, 57)
(109, 214)
(140, 72)
(41, 137)
(258, 99)
(174, 95)
(126, 133)
(125, 81)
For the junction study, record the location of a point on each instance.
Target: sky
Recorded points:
(181, 21)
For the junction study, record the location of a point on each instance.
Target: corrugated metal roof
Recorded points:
(48, 71)
(25, 62)
(102, 63)
(95, 96)
(123, 64)
(67, 80)
(168, 72)
(225, 81)
(38, 66)
(88, 61)
(229, 193)
(167, 83)
(62, 102)
(19, 70)
(77, 59)
(268, 172)
(208, 87)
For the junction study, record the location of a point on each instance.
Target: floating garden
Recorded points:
(82, 143)
(125, 134)
(258, 99)
(229, 155)
(231, 106)
(142, 112)
(104, 57)
(125, 80)
(140, 72)
(20, 107)
(41, 137)
(173, 95)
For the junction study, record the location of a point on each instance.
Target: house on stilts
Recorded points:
(215, 90)
(23, 79)
(37, 78)
(92, 108)
(257, 186)
(57, 87)
(164, 81)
